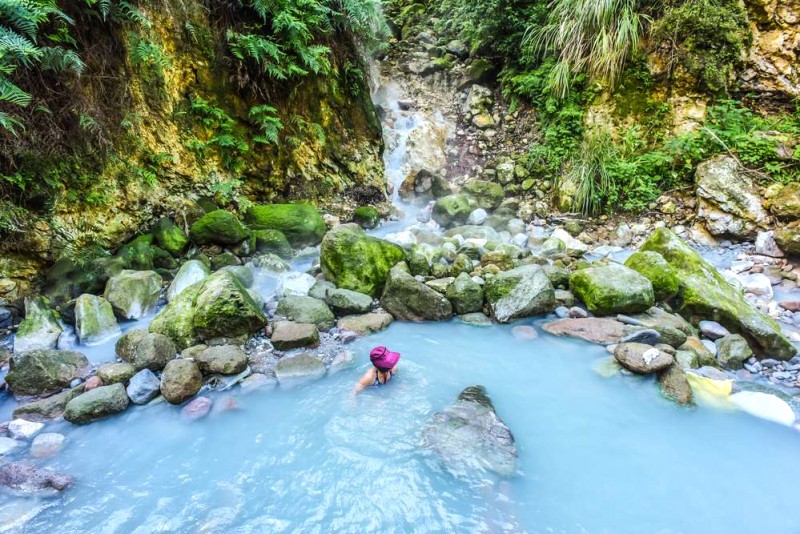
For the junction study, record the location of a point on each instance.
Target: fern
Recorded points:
(148, 57)
(265, 118)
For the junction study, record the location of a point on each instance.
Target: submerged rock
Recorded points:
(27, 477)
(133, 294)
(197, 408)
(612, 289)
(706, 295)
(94, 320)
(366, 323)
(765, 406)
(469, 435)
(520, 292)
(299, 368)
(47, 444)
(407, 299)
(603, 331)
(300, 223)
(40, 329)
(22, 429)
(49, 408)
(190, 273)
(96, 404)
(180, 381)
(353, 260)
(38, 372)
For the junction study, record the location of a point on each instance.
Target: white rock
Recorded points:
(766, 245)
(758, 284)
(344, 359)
(404, 238)
(294, 283)
(516, 226)
(573, 245)
(765, 406)
(605, 250)
(519, 240)
(478, 216)
(191, 272)
(47, 444)
(22, 429)
(740, 266)
(7, 445)
(711, 346)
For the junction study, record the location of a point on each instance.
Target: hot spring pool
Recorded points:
(597, 455)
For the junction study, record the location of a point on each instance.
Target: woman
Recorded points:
(384, 364)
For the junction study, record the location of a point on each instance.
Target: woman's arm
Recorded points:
(365, 381)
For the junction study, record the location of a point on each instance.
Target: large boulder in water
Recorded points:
(38, 372)
(96, 404)
(469, 435)
(353, 260)
(180, 381)
(520, 292)
(307, 310)
(612, 289)
(27, 477)
(655, 268)
(300, 223)
(40, 329)
(190, 273)
(94, 320)
(407, 299)
(133, 294)
(706, 295)
(729, 203)
(219, 227)
(366, 323)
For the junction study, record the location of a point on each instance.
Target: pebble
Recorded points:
(197, 408)
(578, 313)
(47, 444)
(22, 429)
(711, 346)
(562, 312)
(92, 382)
(713, 330)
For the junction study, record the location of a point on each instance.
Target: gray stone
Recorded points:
(112, 373)
(647, 336)
(180, 381)
(25, 430)
(38, 372)
(520, 292)
(308, 310)
(224, 360)
(143, 387)
(302, 367)
(320, 289)
(40, 329)
(733, 351)
(410, 300)
(465, 295)
(288, 335)
(343, 360)
(96, 404)
(94, 320)
(255, 382)
(675, 386)
(152, 352)
(133, 294)
(26, 477)
(612, 289)
(8, 445)
(345, 301)
(642, 359)
(47, 444)
(366, 323)
(190, 273)
(475, 319)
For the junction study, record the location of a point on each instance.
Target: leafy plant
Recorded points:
(266, 120)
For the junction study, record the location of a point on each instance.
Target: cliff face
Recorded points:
(176, 122)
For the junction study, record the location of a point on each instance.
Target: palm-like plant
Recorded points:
(594, 37)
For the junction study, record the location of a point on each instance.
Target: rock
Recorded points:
(197, 408)
(96, 404)
(152, 352)
(788, 238)
(594, 330)
(307, 310)
(524, 332)
(475, 319)
(47, 444)
(552, 246)
(287, 335)
(647, 336)
(345, 301)
(576, 312)
(353, 260)
(367, 217)
(180, 381)
(139, 254)
(7, 446)
(27, 477)
(255, 382)
(133, 294)
(112, 373)
(223, 359)
(126, 345)
(767, 246)
(675, 386)
(273, 242)
(190, 273)
(465, 295)
(452, 210)
(520, 292)
(302, 367)
(484, 233)
(457, 48)
(612, 289)
(218, 227)
(764, 406)
(558, 276)
(712, 330)
(706, 295)
(642, 359)
(94, 320)
(92, 382)
(48, 408)
(758, 284)
(224, 308)
(302, 224)
(727, 199)
(366, 323)
(39, 372)
(486, 195)
(469, 435)
(170, 237)
(24, 430)
(785, 202)
(320, 289)
(655, 268)
(343, 360)
(143, 387)
(733, 351)
(710, 345)
(294, 283)
(410, 300)
(40, 329)
(673, 329)
(574, 246)
(477, 217)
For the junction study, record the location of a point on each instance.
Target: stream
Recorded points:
(597, 454)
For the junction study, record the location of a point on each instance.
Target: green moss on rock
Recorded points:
(366, 217)
(487, 195)
(219, 227)
(452, 210)
(302, 224)
(272, 242)
(655, 268)
(170, 237)
(612, 289)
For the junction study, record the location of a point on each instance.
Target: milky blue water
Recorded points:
(597, 455)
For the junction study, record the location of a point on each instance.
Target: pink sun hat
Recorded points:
(383, 358)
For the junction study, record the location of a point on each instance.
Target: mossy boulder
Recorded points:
(520, 292)
(153, 351)
(346, 301)
(94, 320)
(288, 335)
(37, 372)
(367, 217)
(220, 227)
(307, 310)
(785, 202)
(96, 404)
(48, 408)
(655, 268)
(788, 238)
(705, 295)
(273, 242)
(486, 195)
(465, 295)
(170, 237)
(353, 260)
(40, 329)
(133, 294)
(113, 373)
(302, 224)
(224, 360)
(410, 300)
(176, 320)
(190, 273)
(612, 289)
(452, 210)
(180, 381)
(139, 254)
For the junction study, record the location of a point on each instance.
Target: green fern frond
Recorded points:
(10, 123)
